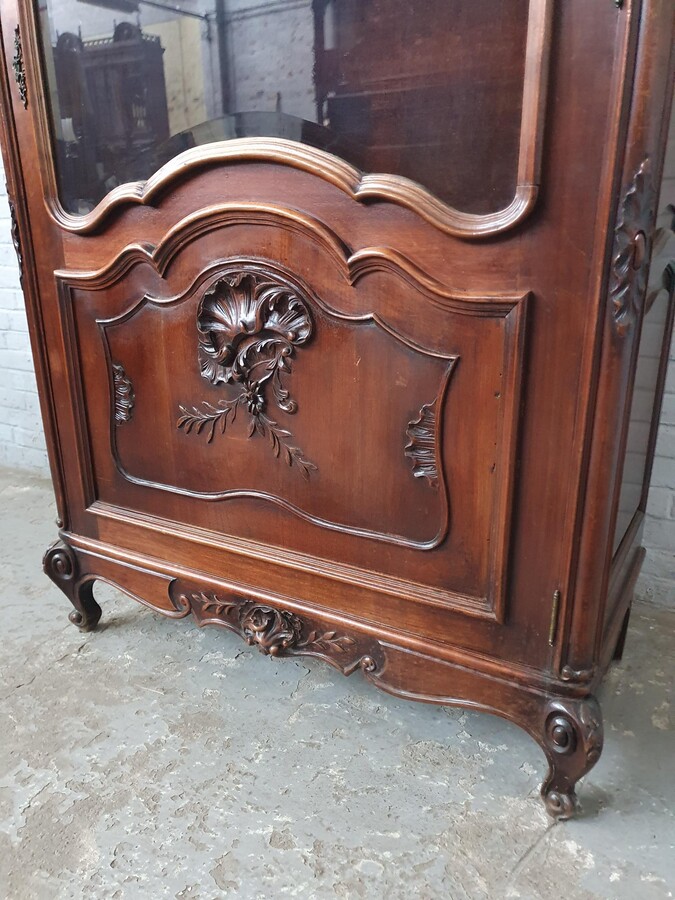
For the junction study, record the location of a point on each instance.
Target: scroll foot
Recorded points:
(573, 738)
(60, 564)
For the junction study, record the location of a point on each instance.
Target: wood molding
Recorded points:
(351, 265)
(387, 585)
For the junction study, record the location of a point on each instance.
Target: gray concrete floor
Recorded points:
(152, 759)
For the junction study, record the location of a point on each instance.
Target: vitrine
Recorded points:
(337, 308)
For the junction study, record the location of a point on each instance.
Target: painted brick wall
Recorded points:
(657, 581)
(21, 438)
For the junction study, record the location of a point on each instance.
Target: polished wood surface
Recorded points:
(338, 416)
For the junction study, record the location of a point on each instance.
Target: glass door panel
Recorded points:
(431, 90)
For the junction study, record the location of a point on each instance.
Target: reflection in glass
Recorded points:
(429, 90)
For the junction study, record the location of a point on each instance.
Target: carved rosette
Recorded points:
(632, 249)
(249, 324)
(19, 68)
(124, 395)
(273, 631)
(421, 446)
(573, 738)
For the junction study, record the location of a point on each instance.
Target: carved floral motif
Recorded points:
(632, 249)
(275, 632)
(19, 68)
(124, 395)
(421, 448)
(249, 325)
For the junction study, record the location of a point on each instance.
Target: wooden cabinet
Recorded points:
(343, 358)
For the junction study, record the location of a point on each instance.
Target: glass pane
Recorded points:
(428, 89)
(642, 408)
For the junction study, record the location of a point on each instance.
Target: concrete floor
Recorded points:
(152, 759)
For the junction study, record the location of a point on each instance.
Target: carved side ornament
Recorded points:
(632, 249)
(19, 68)
(124, 395)
(249, 325)
(16, 236)
(421, 447)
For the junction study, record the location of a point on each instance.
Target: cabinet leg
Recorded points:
(60, 564)
(621, 642)
(573, 737)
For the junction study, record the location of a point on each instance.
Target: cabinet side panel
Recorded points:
(628, 270)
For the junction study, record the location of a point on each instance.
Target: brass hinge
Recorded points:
(555, 612)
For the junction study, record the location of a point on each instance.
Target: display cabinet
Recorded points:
(336, 309)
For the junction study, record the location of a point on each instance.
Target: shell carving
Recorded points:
(249, 324)
(248, 328)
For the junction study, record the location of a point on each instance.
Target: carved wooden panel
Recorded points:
(346, 392)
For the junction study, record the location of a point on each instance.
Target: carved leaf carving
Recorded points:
(632, 249)
(275, 631)
(124, 395)
(213, 604)
(16, 236)
(19, 68)
(421, 448)
(249, 326)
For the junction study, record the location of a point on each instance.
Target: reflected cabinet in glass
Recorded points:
(382, 84)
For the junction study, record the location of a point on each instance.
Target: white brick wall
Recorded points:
(22, 440)
(657, 581)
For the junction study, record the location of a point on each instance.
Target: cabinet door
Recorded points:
(294, 282)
